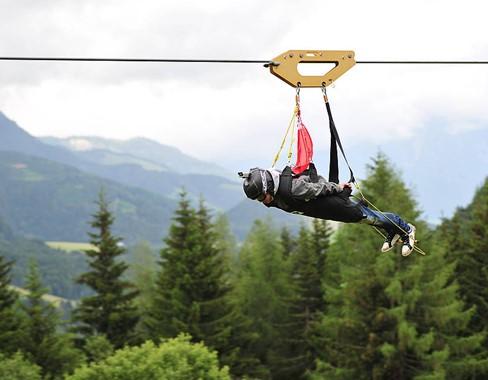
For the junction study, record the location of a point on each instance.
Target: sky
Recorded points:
(238, 113)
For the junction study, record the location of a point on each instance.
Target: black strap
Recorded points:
(312, 172)
(334, 141)
(333, 162)
(286, 178)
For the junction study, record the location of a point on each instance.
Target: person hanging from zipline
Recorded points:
(311, 195)
(300, 190)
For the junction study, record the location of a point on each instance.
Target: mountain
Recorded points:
(116, 160)
(219, 192)
(152, 166)
(6, 233)
(14, 138)
(50, 201)
(150, 154)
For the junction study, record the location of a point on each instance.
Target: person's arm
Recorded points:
(303, 189)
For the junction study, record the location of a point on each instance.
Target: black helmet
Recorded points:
(257, 183)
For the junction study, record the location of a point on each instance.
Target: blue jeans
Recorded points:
(388, 221)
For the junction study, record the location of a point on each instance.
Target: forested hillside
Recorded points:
(50, 201)
(57, 268)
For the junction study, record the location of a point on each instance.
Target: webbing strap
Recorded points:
(334, 141)
(333, 163)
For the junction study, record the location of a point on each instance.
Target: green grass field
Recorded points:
(55, 300)
(68, 246)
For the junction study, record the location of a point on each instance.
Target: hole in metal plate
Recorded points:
(315, 69)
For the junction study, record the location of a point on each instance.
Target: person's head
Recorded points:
(258, 185)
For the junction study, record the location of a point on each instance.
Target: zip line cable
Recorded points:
(265, 62)
(78, 59)
(425, 62)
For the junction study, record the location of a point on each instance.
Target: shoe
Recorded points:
(390, 240)
(408, 241)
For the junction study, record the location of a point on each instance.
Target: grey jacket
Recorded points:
(304, 189)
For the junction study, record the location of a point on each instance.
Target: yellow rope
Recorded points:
(292, 123)
(292, 138)
(415, 247)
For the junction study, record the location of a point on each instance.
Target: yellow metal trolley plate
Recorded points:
(285, 66)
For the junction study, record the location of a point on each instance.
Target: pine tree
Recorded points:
(192, 286)
(448, 319)
(306, 305)
(225, 240)
(466, 235)
(51, 350)
(390, 317)
(169, 311)
(288, 242)
(10, 319)
(142, 273)
(111, 310)
(261, 293)
(321, 236)
(211, 285)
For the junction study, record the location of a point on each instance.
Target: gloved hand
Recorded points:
(346, 188)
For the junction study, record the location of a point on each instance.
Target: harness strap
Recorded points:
(334, 141)
(312, 172)
(286, 178)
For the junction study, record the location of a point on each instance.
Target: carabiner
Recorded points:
(324, 92)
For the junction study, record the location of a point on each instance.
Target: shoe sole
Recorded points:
(393, 242)
(411, 240)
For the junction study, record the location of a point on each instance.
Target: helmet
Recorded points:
(257, 183)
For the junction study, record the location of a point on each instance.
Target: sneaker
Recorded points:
(390, 240)
(408, 241)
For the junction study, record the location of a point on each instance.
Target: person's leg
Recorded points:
(388, 221)
(394, 226)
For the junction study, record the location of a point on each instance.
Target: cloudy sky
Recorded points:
(239, 112)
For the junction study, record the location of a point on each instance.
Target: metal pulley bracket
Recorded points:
(285, 66)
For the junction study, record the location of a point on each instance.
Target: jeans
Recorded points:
(388, 221)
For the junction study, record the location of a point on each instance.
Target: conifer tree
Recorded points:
(212, 286)
(243, 362)
(321, 235)
(225, 240)
(192, 286)
(168, 314)
(390, 317)
(466, 234)
(142, 273)
(51, 350)
(262, 290)
(306, 305)
(288, 242)
(111, 310)
(10, 320)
